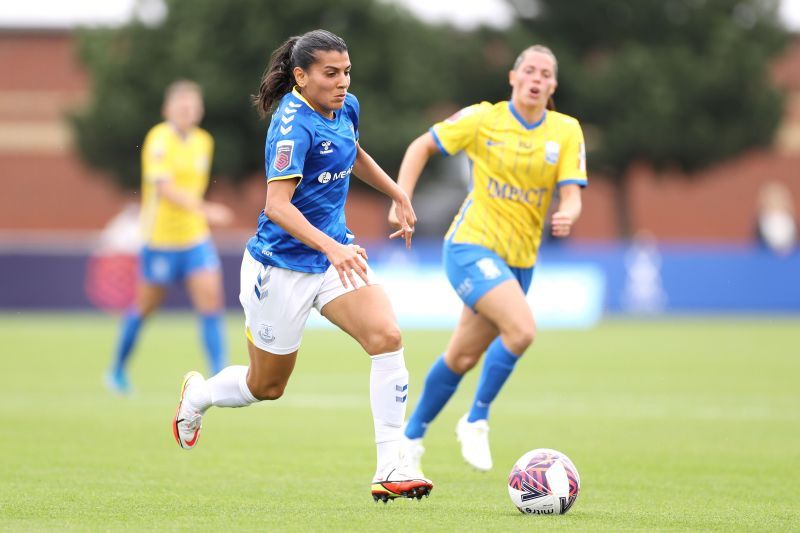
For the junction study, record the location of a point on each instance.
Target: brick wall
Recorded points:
(45, 185)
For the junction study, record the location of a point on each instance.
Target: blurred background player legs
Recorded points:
(148, 298)
(205, 290)
(199, 267)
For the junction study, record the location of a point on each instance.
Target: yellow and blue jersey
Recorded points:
(186, 163)
(320, 152)
(515, 166)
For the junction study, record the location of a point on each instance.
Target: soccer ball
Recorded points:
(544, 481)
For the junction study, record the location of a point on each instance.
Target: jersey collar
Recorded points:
(296, 94)
(526, 125)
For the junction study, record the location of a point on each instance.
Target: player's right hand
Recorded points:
(217, 214)
(406, 219)
(349, 261)
(393, 220)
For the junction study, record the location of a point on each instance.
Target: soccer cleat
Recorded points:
(116, 381)
(187, 423)
(399, 483)
(411, 452)
(474, 439)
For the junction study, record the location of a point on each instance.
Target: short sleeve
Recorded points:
(572, 164)
(155, 156)
(455, 133)
(287, 145)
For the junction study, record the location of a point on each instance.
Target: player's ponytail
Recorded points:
(277, 79)
(297, 51)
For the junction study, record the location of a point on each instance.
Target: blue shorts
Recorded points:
(474, 270)
(161, 266)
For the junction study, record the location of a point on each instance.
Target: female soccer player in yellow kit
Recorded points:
(176, 162)
(521, 151)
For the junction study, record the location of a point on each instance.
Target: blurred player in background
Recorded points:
(521, 151)
(303, 256)
(176, 161)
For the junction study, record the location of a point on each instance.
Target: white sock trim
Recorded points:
(245, 390)
(388, 361)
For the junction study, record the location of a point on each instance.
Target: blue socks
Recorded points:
(214, 342)
(497, 366)
(130, 331)
(440, 384)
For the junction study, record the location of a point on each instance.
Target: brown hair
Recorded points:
(297, 51)
(179, 86)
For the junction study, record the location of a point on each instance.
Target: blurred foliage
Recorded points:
(404, 74)
(680, 83)
(672, 82)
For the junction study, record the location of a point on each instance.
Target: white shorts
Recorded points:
(277, 301)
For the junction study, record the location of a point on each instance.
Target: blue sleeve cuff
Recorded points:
(438, 142)
(578, 182)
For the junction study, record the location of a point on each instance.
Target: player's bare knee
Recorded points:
(270, 391)
(384, 340)
(462, 363)
(209, 309)
(520, 339)
(147, 310)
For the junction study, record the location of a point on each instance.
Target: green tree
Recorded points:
(679, 83)
(398, 72)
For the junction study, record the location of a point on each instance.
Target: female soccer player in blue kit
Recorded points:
(521, 152)
(303, 256)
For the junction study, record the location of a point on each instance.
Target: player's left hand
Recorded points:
(360, 251)
(561, 224)
(406, 218)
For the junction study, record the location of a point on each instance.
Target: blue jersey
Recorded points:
(320, 152)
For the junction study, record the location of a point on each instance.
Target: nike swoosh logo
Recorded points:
(494, 143)
(190, 443)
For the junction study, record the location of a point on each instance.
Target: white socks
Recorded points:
(388, 393)
(226, 389)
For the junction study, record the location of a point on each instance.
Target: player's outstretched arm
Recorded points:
(368, 171)
(414, 160)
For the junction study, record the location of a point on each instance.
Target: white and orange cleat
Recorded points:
(400, 483)
(186, 425)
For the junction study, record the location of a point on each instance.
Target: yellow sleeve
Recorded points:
(457, 132)
(209, 150)
(572, 164)
(155, 156)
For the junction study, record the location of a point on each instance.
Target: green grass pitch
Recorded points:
(674, 425)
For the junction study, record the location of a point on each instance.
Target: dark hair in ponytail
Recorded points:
(297, 51)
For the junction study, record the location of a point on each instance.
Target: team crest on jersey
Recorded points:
(551, 151)
(283, 155)
(326, 147)
(455, 117)
(266, 333)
